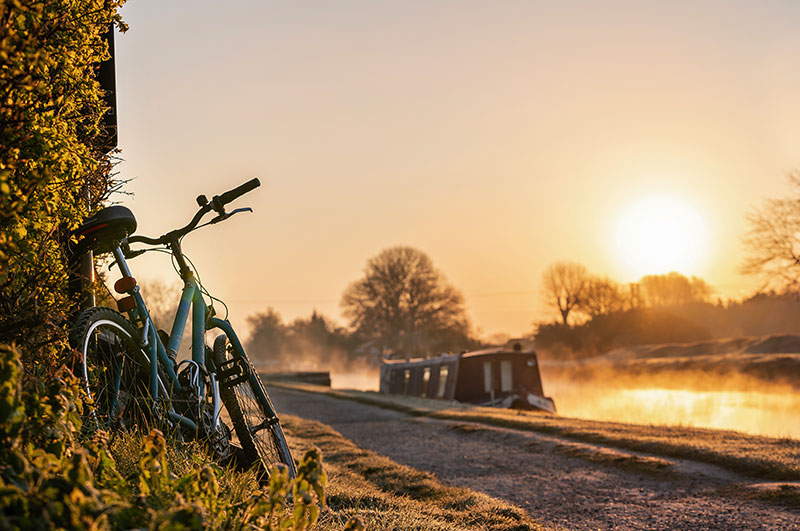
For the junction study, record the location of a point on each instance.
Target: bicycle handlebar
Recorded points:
(240, 190)
(145, 239)
(217, 204)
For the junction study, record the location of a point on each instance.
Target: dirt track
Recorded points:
(575, 485)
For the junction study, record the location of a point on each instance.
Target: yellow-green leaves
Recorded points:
(153, 473)
(51, 159)
(11, 408)
(308, 490)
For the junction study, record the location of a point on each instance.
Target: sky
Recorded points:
(497, 137)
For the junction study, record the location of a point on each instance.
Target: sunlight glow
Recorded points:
(656, 235)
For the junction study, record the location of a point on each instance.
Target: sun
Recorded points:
(660, 234)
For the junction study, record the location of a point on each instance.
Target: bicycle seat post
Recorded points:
(121, 262)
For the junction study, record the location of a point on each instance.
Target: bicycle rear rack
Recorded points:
(233, 372)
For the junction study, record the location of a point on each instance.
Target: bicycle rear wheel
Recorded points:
(254, 421)
(110, 369)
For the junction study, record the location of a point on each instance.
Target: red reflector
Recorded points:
(92, 229)
(126, 304)
(124, 285)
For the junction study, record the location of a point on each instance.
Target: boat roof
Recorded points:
(444, 358)
(488, 351)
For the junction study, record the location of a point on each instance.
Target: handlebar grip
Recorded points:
(240, 190)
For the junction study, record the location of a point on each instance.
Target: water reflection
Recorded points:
(762, 413)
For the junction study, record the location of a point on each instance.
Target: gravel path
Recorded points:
(558, 482)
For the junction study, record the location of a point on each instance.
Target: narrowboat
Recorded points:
(494, 377)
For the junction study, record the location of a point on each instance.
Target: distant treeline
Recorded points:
(760, 314)
(303, 343)
(315, 342)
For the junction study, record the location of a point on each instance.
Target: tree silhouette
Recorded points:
(406, 303)
(268, 335)
(602, 296)
(672, 289)
(563, 287)
(773, 240)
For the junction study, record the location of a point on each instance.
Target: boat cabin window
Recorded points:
(506, 382)
(487, 376)
(426, 378)
(443, 371)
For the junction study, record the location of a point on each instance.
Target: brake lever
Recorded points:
(126, 252)
(223, 217)
(134, 254)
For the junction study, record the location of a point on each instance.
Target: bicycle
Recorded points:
(129, 369)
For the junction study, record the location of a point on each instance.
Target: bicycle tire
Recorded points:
(108, 349)
(262, 441)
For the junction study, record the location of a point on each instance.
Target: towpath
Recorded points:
(579, 486)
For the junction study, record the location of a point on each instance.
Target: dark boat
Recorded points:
(492, 377)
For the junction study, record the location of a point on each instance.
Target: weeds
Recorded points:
(50, 479)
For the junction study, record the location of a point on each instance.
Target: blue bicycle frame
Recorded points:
(154, 349)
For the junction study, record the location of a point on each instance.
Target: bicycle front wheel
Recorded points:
(110, 369)
(254, 420)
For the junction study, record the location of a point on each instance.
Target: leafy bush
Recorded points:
(51, 159)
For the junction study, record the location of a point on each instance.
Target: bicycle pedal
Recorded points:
(233, 372)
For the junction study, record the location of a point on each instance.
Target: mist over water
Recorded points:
(366, 380)
(764, 410)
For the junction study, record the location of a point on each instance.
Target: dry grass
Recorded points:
(390, 496)
(589, 452)
(750, 455)
(616, 458)
(787, 495)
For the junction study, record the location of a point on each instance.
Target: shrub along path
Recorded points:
(559, 481)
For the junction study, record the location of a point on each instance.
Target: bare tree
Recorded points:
(602, 296)
(404, 301)
(633, 296)
(563, 286)
(773, 240)
(162, 300)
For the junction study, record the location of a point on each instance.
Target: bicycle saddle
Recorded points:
(106, 228)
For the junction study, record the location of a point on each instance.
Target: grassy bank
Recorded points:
(750, 455)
